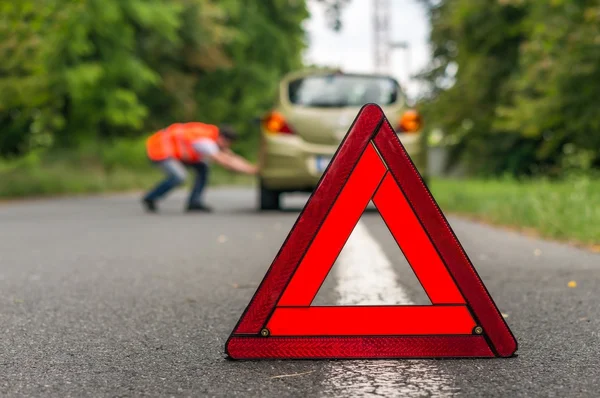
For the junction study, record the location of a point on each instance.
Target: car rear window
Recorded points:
(338, 90)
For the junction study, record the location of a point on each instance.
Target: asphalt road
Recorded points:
(98, 298)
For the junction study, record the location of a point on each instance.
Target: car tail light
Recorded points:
(410, 122)
(275, 123)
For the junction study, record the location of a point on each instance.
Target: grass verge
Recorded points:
(121, 166)
(567, 211)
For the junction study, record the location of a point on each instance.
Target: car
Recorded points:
(313, 112)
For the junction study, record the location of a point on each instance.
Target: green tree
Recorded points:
(523, 95)
(75, 71)
(475, 48)
(554, 97)
(27, 112)
(271, 46)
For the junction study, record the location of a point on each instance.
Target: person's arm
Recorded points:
(225, 158)
(233, 162)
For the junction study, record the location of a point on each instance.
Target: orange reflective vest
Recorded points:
(176, 141)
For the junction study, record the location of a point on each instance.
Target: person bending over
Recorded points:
(195, 146)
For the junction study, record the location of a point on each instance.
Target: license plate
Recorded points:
(322, 163)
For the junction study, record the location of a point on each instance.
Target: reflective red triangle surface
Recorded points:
(371, 164)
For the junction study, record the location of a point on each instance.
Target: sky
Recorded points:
(352, 47)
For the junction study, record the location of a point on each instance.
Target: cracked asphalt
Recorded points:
(98, 298)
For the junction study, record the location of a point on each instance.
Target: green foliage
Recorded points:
(271, 46)
(78, 72)
(523, 99)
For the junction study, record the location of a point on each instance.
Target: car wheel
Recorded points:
(269, 199)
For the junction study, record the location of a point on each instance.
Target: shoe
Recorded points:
(150, 205)
(199, 208)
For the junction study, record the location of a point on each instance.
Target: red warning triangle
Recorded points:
(371, 164)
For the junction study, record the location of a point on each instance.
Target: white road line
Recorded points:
(365, 276)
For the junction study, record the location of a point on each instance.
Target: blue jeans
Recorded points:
(175, 176)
